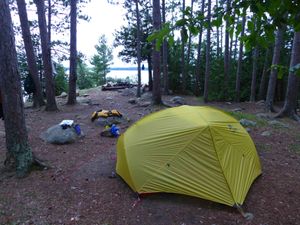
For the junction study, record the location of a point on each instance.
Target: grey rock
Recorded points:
(278, 124)
(83, 100)
(63, 95)
(248, 129)
(57, 135)
(247, 123)
(147, 96)
(144, 104)
(261, 102)
(132, 101)
(109, 98)
(266, 133)
(237, 109)
(178, 100)
(263, 116)
(129, 92)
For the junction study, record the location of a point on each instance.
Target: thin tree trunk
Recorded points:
(165, 54)
(150, 80)
(262, 86)
(221, 50)
(254, 74)
(183, 71)
(231, 43)
(190, 38)
(138, 47)
(19, 155)
(218, 36)
(50, 89)
(226, 54)
(273, 76)
(290, 103)
(73, 54)
(207, 64)
(198, 63)
(49, 23)
(235, 47)
(239, 65)
(31, 58)
(156, 55)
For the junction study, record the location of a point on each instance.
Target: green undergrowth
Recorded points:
(238, 115)
(295, 146)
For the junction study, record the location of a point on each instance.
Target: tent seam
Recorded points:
(221, 164)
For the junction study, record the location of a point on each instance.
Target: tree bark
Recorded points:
(290, 102)
(150, 80)
(31, 58)
(198, 63)
(207, 64)
(138, 39)
(274, 72)
(156, 55)
(19, 153)
(254, 74)
(218, 31)
(165, 54)
(50, 89)
(183, 70)
(239, 65)
(73, 54)
(190, 39)
(49, 23)
(262, 86)
(226, 53)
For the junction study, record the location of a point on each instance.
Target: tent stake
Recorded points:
(246, 215)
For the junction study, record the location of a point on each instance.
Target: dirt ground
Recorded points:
(79, 189)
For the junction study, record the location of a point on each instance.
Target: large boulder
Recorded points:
(178, 100)
(57, 135)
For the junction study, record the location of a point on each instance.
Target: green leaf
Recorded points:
(251, 26)
(239, 28)
(180, 23)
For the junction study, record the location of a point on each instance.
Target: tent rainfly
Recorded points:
(191, 150)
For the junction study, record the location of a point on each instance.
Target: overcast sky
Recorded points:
(105, 19)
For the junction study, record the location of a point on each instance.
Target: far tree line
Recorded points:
(222, 50)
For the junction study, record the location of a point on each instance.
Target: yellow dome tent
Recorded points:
(196, 151)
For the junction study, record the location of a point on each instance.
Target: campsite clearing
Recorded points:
(80, 187)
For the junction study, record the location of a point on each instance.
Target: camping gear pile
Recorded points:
(107, 118)
(196, 151)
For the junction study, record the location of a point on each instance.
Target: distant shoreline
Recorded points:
(125, 68)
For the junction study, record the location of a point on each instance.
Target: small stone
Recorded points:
(132, 101)
(237, 109)
(144, 104)
(266, 133)
(247, 123)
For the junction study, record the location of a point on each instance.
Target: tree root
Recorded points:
(293, 116)
(10, 168)
(38, 164)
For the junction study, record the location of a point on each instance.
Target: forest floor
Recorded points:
(79, 189)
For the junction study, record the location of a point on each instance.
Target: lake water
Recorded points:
(132, 74)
